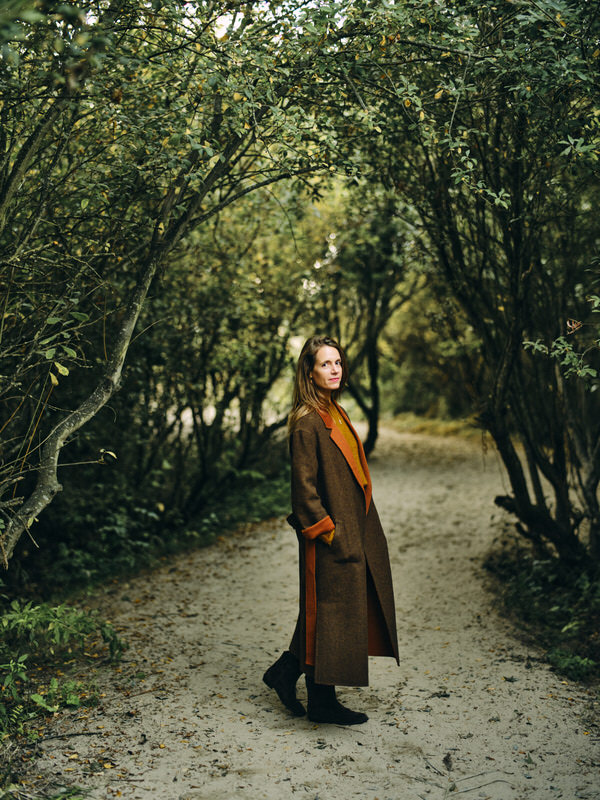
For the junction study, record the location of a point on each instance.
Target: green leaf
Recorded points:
(40, 701)
(31, 15)
(62, 369)
(72, 699)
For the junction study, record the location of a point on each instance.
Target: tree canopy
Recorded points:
(161, 167)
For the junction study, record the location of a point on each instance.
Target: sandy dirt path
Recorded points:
(470, 712)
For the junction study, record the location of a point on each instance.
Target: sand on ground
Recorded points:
(471, 711)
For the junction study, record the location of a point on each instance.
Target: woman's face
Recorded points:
(327, 371)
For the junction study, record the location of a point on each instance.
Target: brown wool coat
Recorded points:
(346, 595)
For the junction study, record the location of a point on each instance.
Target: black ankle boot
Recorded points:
(282, 677)
(323, 706)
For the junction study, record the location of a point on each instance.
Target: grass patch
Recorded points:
(413, 423)
(556, 605)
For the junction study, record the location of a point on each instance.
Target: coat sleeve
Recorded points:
(307, 505)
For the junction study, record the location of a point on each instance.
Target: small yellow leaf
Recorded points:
(237, 97)
(63, 370)
(53, 379)
(407, 102)
(438, 94)
(421, 115)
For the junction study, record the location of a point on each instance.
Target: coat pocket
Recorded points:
(344, 548)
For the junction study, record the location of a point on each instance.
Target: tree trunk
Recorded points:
(47, 484)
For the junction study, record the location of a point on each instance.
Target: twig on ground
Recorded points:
(434, 768)
(145, 788)
(482, 785)
(70, 735)
(479, 774)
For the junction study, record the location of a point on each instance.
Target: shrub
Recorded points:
(558, 605)
(43, 636)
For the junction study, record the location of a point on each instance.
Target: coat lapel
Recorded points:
(338, 439)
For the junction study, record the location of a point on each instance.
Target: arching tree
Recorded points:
(494, 143)
(125, 127)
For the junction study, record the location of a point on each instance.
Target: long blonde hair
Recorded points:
(306, 396)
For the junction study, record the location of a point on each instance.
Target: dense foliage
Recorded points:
(125, 130)
(34, 639)
(487, 128)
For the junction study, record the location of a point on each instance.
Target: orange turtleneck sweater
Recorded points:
(342, 426)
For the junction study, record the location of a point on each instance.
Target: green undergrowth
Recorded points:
(40, 644)
(253, 499)
(15, 791)
(42, 649)
(132, 536)
(557, 605)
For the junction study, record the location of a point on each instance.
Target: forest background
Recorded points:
(187, 189)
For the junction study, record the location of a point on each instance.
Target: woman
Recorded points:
(346, 595)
